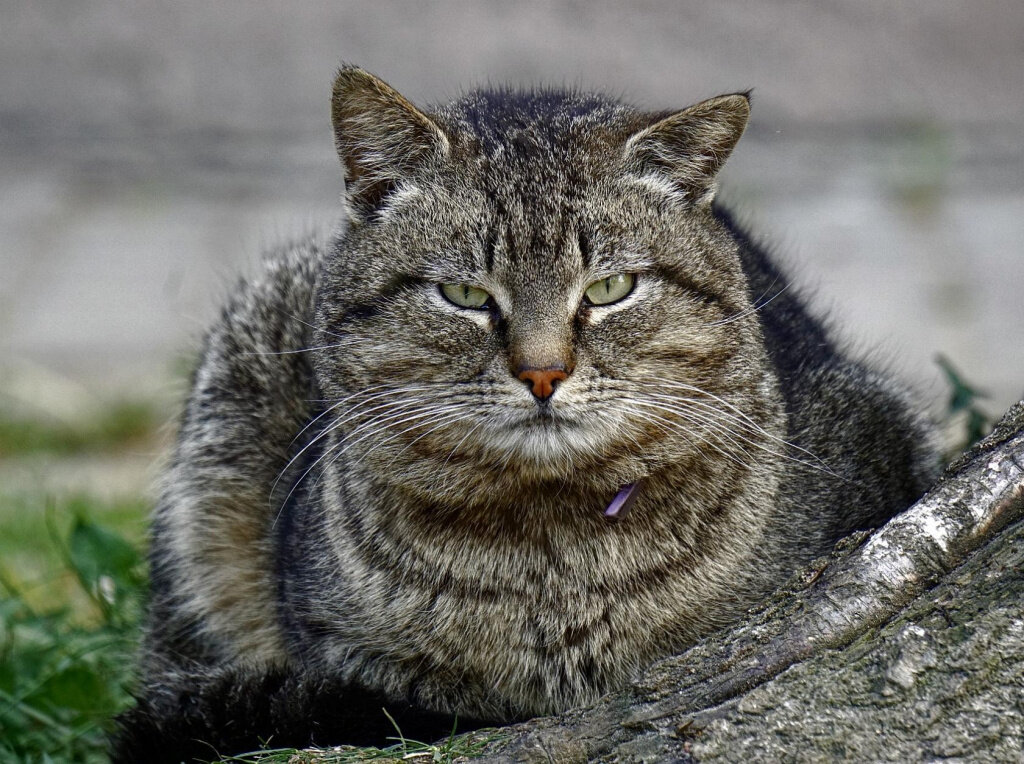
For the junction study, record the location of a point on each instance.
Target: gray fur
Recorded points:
(437, 533)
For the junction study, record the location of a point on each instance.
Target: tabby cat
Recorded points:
(538, 414)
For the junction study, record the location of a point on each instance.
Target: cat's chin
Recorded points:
(549, 446)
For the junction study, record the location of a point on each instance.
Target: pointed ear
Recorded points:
(688, 148)
(381, 138)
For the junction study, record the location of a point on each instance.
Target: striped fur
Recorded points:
(366, 505)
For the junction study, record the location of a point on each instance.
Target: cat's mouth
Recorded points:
(545, 419)
(547, 437)
(545, 416)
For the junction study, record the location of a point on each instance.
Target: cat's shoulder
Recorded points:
(256, 350)
(279, 293)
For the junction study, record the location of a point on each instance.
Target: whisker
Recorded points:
(347, 343)
(339, 421)
(458, 445)
(447, 419)
(737, 439)
(293, 317)
(677, 428)
(402, 416)
(753, 308)
(460, 416)
(344, 444)
(739, 412)
(742, 419)
(332, 407)
(704, 409)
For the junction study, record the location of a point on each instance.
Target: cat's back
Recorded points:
(857, 436)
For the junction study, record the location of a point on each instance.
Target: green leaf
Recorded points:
(963, 394)
(963, 401)
(96, 552)
(78, 687)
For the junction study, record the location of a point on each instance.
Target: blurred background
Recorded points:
(149, 151)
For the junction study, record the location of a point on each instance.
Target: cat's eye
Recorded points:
(610, 289)
(466, 296)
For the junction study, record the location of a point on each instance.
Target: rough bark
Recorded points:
(907, 644)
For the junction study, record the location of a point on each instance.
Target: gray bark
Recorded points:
(906, 644)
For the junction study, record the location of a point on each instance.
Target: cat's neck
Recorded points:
(579, 504)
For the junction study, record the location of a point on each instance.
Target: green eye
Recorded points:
(609, 290)
(466, 296)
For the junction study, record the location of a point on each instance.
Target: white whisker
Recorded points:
(736, 416)
(293, 317)
(338, 449)
(445, 419)
(740, 414)
(758, 305)
(347, 343)
(677, 427)
(340, 419)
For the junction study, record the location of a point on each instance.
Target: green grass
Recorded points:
(71, 585)
(33, 534)
(72, 581)
(455, 748)
(115, 426)
(68, 626)
(71, 588)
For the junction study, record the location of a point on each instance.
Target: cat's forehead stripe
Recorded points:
(558, 249)
(584, 249)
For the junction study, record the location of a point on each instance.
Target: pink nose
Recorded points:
(542, 381)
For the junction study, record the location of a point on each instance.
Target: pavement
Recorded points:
(150, 151)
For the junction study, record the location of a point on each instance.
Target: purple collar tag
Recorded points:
(623, 501)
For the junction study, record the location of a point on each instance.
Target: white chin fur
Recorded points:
(553, 445)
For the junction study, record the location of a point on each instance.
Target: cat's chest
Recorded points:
(544, 632)
(536, 621)
(544, 649)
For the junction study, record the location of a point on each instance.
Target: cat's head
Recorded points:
(533, 285)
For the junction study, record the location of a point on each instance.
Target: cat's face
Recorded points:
(527, 301)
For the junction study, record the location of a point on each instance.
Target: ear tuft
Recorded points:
(381, 138)
(688, 148)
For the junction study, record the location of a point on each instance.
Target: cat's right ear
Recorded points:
(688, 148)
(381, 138)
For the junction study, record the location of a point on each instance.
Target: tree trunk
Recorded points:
(906, 644)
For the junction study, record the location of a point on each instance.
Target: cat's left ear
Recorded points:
(688, 148)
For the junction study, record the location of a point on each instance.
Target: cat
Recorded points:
(538, 414)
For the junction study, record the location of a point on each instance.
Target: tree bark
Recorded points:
(906, 644)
